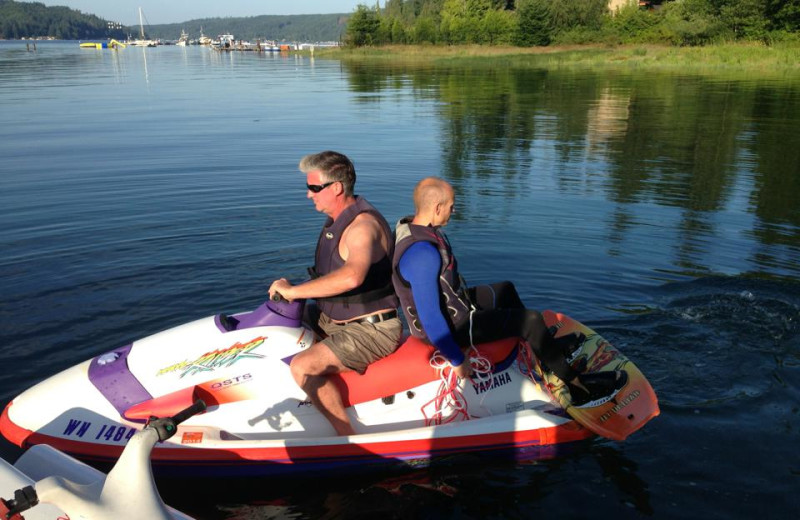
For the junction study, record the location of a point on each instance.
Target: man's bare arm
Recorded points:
(362, 246)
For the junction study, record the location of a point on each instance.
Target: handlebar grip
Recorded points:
(24, 499)
(194, 409)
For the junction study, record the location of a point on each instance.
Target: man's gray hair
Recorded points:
(334, 167)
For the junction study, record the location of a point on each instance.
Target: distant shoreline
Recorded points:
(776, 60)
(783, 58)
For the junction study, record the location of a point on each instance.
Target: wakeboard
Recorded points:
(617, 415)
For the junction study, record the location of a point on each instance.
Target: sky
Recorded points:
(175, 11)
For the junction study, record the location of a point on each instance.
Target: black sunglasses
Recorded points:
(316, 188)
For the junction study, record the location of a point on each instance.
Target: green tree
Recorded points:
(398, 31)
(477, 9)
(424, 30)
(454, 21)
(497, 27)
(384, 32)
(784, 14)
(632, 24)
(569, 14)
(393, 8)
(504, 5)
(690, 22)
(362, 27)
(746, 18)
(533, 23)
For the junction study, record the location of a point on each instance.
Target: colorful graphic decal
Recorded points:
(586, 360)
(602, 356)
(217, 359)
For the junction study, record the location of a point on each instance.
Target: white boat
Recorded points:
(142, 41)
(183, 40)
(223, 42)
(268, 46)
(204, 40)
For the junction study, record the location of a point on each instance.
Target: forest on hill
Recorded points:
(546, 22)
(35, 20)
(291, 28)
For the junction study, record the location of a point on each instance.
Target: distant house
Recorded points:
(615, 5)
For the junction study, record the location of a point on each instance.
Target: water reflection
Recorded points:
(720, 153)
(144, 65)
(479, 485)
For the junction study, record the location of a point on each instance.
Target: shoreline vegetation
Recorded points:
(760, 36)
(779, 59)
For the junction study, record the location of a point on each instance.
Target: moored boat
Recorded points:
(142, 41)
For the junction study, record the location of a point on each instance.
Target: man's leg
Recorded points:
(500, 295)
(491, 325)
(495, 324)
(311, 370)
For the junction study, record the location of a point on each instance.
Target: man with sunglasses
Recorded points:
(351, 282)
(442, 310)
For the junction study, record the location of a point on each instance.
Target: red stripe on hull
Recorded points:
(299, 455)
(11, 431)
(406, 368)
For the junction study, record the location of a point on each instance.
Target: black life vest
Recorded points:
(376, 293)
(453, 301)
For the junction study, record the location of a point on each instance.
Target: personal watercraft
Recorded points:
(407, 408)
(45, 483)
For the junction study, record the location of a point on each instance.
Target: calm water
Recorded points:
(147, 187)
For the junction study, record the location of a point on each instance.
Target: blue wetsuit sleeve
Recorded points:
(419, 266)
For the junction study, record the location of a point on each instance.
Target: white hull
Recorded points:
(258, 415)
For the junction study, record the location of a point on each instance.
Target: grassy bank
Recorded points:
(782, 59)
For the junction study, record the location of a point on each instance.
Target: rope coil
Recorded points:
(449, 404)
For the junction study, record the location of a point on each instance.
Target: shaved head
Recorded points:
(431, 191)
(434, 200)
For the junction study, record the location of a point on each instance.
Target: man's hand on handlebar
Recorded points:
(281, 288)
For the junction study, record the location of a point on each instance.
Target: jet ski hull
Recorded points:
(406, 409)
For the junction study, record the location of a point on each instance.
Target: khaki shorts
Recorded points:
(357, 344)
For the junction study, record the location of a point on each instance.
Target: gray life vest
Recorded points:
(376, 293)
(453, 301)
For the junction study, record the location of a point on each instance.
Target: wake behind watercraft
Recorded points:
(407, 408)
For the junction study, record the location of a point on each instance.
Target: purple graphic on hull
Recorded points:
(269, 314)
(109, 373)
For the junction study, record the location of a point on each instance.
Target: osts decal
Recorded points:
(217, 359)
(231, 381)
